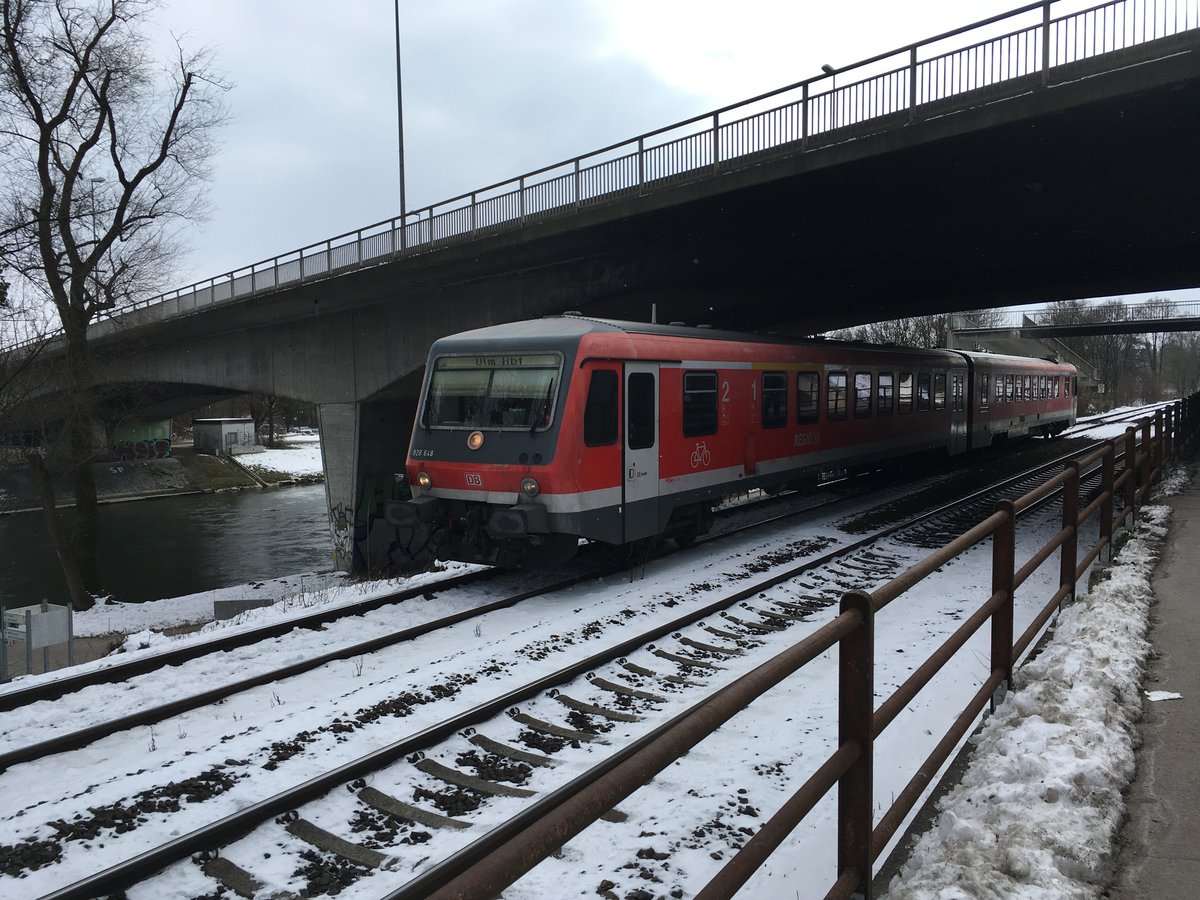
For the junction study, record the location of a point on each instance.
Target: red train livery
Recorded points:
(532, 435)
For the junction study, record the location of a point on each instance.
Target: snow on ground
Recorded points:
(300, 457)
(1030, 820)
(1038, 810)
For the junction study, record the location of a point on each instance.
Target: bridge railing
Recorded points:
(887, 90)
(1129, 312)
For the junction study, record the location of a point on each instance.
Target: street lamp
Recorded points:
(400, 128)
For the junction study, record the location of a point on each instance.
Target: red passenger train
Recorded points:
(534, 434)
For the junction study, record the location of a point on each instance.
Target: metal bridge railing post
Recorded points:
(1046, 43)
(520, 198)
(912, 84)
(804, 105)
(856, 714)
(716, 141)
(1069, 556)
(1004, 565)
(578, 199)
(641, 156)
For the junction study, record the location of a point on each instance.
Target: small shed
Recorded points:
(225, 437)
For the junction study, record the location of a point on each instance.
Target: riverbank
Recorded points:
(184, 472)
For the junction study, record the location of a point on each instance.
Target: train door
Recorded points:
(640, 497)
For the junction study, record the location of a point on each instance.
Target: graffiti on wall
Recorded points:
(340, 522)
(155, 448)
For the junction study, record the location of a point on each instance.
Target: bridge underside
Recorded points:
(1080, 189)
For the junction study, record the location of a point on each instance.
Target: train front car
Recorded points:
(486, 466)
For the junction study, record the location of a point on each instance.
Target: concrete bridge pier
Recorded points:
(363, 446)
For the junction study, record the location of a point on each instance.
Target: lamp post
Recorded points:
(400, 127)
(830, 70)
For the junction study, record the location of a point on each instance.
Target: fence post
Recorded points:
(521, 200)
(1069, 557)
(856, 714)
(474, 216)
(641, 163)
(912, 84)
(1159, 445)
(1146, 469)
(578, 199)
(1131, 470)
(1169, 434)
(1107, 466)
(1004, 558)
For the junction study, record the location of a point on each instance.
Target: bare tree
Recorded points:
(101, 160)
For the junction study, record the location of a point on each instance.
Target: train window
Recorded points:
(640, 419)
(939, 391)
(516, 391)
(774, 399)
(699, 403)
(887, 398)
(960, 399)
(808, 388)
(923, 392)
(862, 395)
(1057, 380)
(836, 401)
(1001, 396)
(600, 414)
(905, 396)
(983, 389)
(1010, 391)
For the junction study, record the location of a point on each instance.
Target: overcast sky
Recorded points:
(492, 89)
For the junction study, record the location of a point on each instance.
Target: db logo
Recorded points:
(474, 480)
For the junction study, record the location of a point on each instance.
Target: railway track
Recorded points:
(707, 640)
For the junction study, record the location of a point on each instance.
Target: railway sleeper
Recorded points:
(743, 640)
(331, 843)
(513, 753)
(711, 648)
(234, 878)
(784, 618)
(593, 710)
(684, 660)
(559, 731)
(638, 670)
(806, 609)
(753, 626)
(460, 779)
(388, 804)
(606, 685)
(483, 786)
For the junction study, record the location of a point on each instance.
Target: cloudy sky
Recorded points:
(492, 89)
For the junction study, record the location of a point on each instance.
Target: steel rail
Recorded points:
(52, 690)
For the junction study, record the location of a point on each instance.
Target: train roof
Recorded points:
(571, 326)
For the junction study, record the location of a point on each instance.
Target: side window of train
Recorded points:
(699, 403)
(836, 400)
(958, 402)
(774, 399)
(887, 396)
(639, 411)
(862, 395)
(600, 414)
(939, 391)
(1000, 397)
(905, 396)
(1009, 389)
(808, 393)
(923, 392)
(983, 389)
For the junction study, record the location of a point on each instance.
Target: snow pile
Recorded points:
(298, 460)
(1038, 810)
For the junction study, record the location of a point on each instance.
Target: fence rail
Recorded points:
(891, 89)
(1150, 312)
(1144, 451)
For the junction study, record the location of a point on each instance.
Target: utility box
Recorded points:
(39, 626)
(225, 437)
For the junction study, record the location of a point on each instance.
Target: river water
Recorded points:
(173, 546)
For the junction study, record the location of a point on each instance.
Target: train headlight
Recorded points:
(424, 480)
(474, 440)
(530, 487)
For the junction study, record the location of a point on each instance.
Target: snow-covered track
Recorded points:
(735, 635)
(143, 663)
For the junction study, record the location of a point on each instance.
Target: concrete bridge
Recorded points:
(1030, 157)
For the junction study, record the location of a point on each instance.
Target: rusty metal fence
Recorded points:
(1143, 452)
(1053, 42)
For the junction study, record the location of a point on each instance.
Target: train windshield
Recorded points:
(515, 391)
